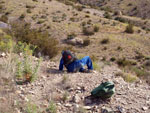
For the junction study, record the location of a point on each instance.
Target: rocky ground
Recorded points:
(71, 91)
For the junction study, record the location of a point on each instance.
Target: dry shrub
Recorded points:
(86, 42)
(4, 18)
(45, 44)
(129, 29)
(89, 30)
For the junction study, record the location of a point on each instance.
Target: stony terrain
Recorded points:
(136, 8)
(70, 92)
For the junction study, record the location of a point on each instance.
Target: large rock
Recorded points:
(76, 99)
(75, 41)
(4, 25)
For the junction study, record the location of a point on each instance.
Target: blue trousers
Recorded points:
(78, 65)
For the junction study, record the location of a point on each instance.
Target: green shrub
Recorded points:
(79, 7)
(89, 30)
(127, 77)
(123, 62)
(28, 10)
(52, 108)
(65, 97)
(65, 79)
(45, 44)
(107, 15)
(41, 21)
(121, 19)
(140, 72)
(86, 42)
(4, 18)
(130, 78)
(96, 28)
(22, 16)
(6, 43)
(25, 70)
(93, 58)
(31, 108)
(105, 41)
(112, 59)
(71, 36)
(96, 66)
(129, 29)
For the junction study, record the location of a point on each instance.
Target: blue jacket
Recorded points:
(72, 67)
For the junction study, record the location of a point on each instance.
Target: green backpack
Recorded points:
(104, 90)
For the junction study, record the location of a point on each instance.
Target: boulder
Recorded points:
(4, 25)
(75, 41)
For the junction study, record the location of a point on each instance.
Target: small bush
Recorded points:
(119, 48)
(87, 16)
(25, 71)
(140, 72)
(121, 19)
(31, 108)
(71, 36)
(65, 79)
(45, 44)
(86, 42)
(22, 16)
(127, 77)
(82, 110)
(88, 30)
(6, 43)
(4, 18)
(79, 8)
(93, 58)
(28, 10)
(35, 0)
(129, 29)
(122, 62)
(107, 15)
(130, 78)
(52, 108)
(105, 41)
(96, 66)
(96, 28)
(112, 59)
(41, 21)
(65, 97)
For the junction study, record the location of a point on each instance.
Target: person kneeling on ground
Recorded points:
(73, 64)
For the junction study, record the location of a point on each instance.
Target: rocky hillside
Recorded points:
(120, 53)
(132, 8)
(62, 92)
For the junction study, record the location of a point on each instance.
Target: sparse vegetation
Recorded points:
(96, 28)
(107, 15)
(6, 43)
(89, 30)
(124, 62)
(25, 71)
(65, 97)
(86, 42)
(52, 108)
(31, 108)
(4, 18)
(105, 41)
(65, 79)
(127, 77)
(45, 44)
(71, 36)
(22, 16)
(129, 29)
